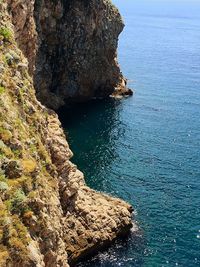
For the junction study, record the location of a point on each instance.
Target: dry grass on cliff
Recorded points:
(20, 162)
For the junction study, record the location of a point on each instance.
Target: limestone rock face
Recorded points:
(22, 13)
(72, 48)
(48, 216)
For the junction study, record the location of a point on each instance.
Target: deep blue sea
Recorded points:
(146, 149)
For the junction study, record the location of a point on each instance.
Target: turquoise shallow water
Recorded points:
(146, 149)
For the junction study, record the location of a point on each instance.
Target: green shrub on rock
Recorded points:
(3, 187)
(2, 89)
(6, 33)
(17, 203)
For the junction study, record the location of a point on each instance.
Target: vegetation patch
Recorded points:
(29, 165)
(5, 135)
(5, 150)
(4, 255)
(17, 204)
(18, 240)
(3, 187)
(2, 90)
(6, 33)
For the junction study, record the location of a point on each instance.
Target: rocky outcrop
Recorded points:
(22, 14)
(48, 216)
(71, 46)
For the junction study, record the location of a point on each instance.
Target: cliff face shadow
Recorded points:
(75, 59)
(92, 130)
(83, 112)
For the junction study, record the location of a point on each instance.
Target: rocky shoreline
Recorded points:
(48, 216)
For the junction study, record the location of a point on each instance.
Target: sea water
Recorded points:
(146, 149)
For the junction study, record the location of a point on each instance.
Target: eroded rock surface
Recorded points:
(72, 48)
(48, 216)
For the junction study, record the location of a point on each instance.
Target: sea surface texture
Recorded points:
(146, 149)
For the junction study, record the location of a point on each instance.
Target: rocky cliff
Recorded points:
(48, 216)
(71, 47)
